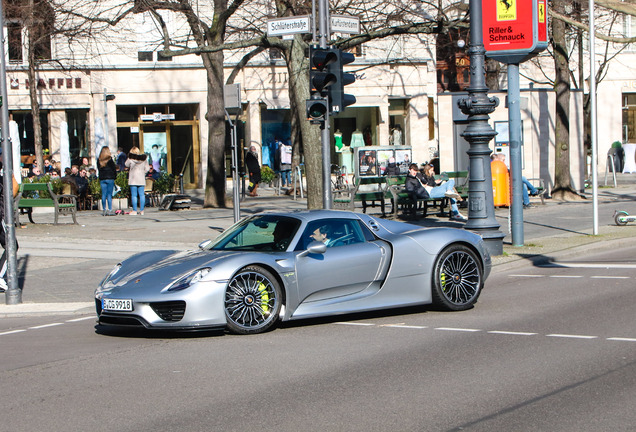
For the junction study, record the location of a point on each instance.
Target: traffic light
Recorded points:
(321, 78)
(338, 99)
(317, 108)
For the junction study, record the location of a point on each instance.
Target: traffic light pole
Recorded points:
(327, 201)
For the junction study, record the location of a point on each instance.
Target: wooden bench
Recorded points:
(400, 199)
(365, 189)
(26, 201)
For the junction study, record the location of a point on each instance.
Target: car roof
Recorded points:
(311, 215)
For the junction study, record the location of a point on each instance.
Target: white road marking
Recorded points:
(591, 265)
(457, 329)
(512, 333)
(526, 275)
(404, 326)
(565, 276)
(12, 332)
(355, 324)
(45, 326)
(609, 277)
(622, 339)
(572, 336)
(80, 319)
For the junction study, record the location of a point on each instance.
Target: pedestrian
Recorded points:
(121, 159)
(3, 237)
(137, 164)
(254, 169)
(107, 171)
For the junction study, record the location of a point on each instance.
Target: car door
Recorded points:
(349, 265)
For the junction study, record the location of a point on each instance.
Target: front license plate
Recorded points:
(117, 304)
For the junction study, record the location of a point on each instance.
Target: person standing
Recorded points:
(137, 164)
(254, 170)
(121, 159)
(107, 171)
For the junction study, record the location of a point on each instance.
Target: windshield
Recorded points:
(265, 233)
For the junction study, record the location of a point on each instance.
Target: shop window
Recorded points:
(144, 56)
(629, 117)
(77, 140)
(24, 120)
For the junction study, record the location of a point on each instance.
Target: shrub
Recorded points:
(122, 182)
(94, 188)
(164, 183)
(267, 174)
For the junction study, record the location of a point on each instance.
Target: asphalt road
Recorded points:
(545, 349)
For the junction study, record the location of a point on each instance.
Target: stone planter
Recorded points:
(118, 204)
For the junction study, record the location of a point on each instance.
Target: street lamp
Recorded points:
(107, 97)
(477, 105)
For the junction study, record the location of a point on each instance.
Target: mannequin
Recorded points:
(356, 139)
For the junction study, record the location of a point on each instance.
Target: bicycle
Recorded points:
(340, 183)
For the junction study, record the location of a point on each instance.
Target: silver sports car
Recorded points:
(295, 265)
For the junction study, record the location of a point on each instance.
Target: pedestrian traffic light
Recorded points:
(321, 78)
(338, 99)
(317, 108)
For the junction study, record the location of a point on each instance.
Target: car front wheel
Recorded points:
(457, 278)
(252, 301)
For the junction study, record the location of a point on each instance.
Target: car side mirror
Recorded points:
(204, 244)
(315, 247)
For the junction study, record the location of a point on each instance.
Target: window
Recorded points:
(161, 57)
(143, 56)
(14, 31)
(629, 117)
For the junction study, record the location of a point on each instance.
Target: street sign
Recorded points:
(287, 26)
(345, 24)
(514, 30)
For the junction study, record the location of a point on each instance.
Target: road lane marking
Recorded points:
(80, 319)
(45, 326)
(609, 277)
(527, 275)
(404, 326)
(565, 276)
(514, 333)
(622, 339)
(12, 332)
(457, 329)
(355, 324)
(590, 265)
(571, 336)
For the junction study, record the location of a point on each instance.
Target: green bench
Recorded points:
(539, 185)
(400, 199)
(26, 201)
(365, 190)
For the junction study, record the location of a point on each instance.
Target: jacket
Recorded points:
(108, 171)
(415, 186)
(137, 168)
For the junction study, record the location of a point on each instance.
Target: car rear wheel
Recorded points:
(252, 301)
(457, 278)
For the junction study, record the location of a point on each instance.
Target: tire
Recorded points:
(618, 216)
(457, 278)
(252, 301)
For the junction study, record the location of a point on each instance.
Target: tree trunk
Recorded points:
(33, 92)
(563, 189)
(299, 90)
(215, 181)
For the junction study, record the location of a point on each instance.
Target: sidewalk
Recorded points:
(63, 264)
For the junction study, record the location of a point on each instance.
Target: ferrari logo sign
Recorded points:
(506, 10)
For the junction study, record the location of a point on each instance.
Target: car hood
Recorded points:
(158, 269)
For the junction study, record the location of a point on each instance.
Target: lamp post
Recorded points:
(477, 105)
(107, 97)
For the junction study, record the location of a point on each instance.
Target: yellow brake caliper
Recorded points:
(264, 297)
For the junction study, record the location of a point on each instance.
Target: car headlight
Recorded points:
(110, 275)
(188, 279)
